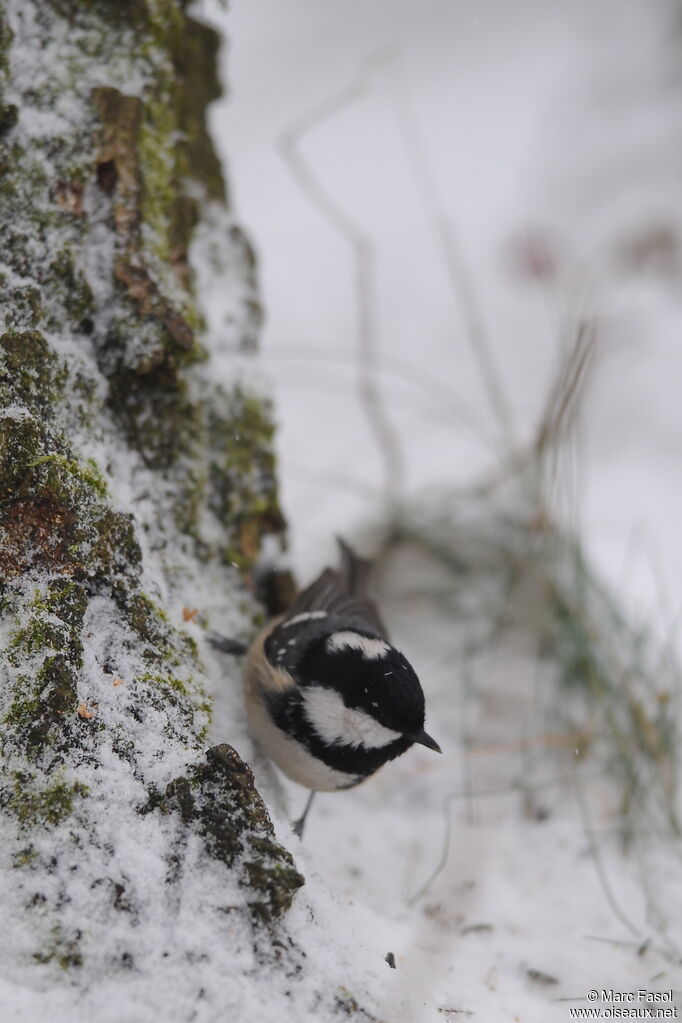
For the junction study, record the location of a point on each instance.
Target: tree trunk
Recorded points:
(136, 484)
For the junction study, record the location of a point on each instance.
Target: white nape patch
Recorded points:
(334, 722)
(372, 649)
(303, 617)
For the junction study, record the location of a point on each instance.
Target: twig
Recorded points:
(598, 864)
(654, 913)
(617, 942)
(362, 249)
(337, 480)
(467, 750)
(445, 852)
(558, 417)
(442, 230)
(447, 831)
(562, 400)
(403, 370)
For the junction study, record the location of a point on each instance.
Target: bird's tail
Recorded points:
(355, 571)
(342, 592)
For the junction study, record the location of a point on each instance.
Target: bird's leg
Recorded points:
(226, 645)
(299, 824)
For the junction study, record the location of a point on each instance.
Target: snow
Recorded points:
(493, 874)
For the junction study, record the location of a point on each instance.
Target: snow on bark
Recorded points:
(136, 478)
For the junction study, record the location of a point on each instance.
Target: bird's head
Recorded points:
(358, 690)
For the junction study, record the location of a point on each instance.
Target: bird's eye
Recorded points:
(337, 724)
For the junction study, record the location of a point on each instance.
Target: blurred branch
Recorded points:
(599, 865)
(336, 480)
(443, 232)
(556, 421)
(562, 401)
(439, 398)
(362, 248)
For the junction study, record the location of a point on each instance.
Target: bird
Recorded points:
(327, 696)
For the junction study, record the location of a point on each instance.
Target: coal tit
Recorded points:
(327, 696)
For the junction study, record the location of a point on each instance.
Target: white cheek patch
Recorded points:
(348, 726)
(372, 649)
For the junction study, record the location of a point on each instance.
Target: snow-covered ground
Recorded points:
(549, 138)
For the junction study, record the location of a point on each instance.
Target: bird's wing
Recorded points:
(342, 593)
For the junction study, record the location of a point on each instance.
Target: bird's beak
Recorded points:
(424, 739)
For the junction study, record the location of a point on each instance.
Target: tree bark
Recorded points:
(136, 479)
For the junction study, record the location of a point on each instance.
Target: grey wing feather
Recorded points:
(343, 593)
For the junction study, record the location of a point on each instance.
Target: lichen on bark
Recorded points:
(133, 453)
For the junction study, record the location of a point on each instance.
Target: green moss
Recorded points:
(33, 804)
(248, 429)
(219, 799)
(145, 617)
(168, 681)
(347, 1005)
(190, 85)
(61, 479)
(33, 639)
(55, 622)
(136, 166)
(62, 948)
(20, 440)
(242, 484)
(9, 116)
(24, 308)
(190, 644)
(26, 857)
(92, 474)
(197, 84)
(66, 599)
(60, 483)
(271, 877)
(122, 745)
(6, 36)
(109, 546)
(180, 698)
(163, 642)
(204, 708)
(30, 372)
(39, 715)
(150, 150)
(161, 421)
(74, 291)
(54, 513)
(122, 14)
(157, 155)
